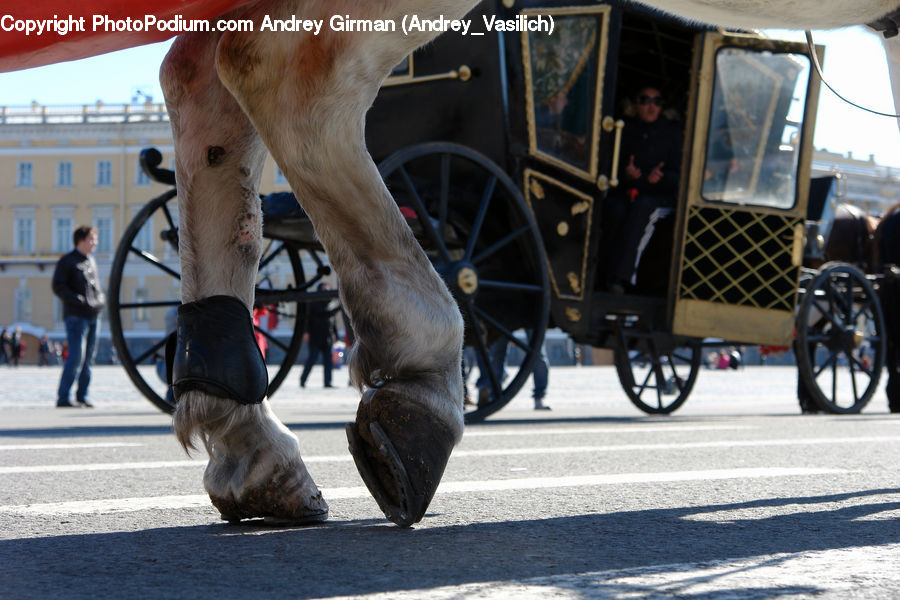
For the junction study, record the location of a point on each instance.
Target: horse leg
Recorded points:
(254, 469)
(308, 95)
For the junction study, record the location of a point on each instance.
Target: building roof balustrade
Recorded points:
(37, 114)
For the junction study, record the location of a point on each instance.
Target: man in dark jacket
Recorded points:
(888, 239)
(77, 284)
(322, 334)
(648, 178)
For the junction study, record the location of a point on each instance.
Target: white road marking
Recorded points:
(125, 466)
(167, 464)
(485, 431)
(677, 446)
(67, 446)
(114, 505)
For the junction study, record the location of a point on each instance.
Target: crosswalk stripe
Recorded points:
(486, 431)
(113, 505)
(68, 446)
(343, 458)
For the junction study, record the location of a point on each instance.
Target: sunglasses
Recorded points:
(657, 100)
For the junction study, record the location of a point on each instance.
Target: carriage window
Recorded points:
(753, 145)
(563, 88)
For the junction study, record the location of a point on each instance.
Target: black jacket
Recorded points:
(651, 144)
(321, 327)
(77, 284)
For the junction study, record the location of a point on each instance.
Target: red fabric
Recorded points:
(20, 51)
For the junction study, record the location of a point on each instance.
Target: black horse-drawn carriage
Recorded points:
(500, 150)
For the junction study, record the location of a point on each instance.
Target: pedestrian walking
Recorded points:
(4, 354)
(44, 352)
(321, 335)
(15, 346)
(77, 284)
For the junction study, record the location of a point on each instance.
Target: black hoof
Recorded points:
(401, 451)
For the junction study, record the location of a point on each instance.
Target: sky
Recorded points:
(855, 65)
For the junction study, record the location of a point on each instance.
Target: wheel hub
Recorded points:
(467, 280)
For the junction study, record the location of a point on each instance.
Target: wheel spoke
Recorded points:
(424, 218)
(674, 372)
(834, 368)
(504, 241)
(863, 308)
(445, 192)
(483, 351)
(831, 358)
(270, 257)
(827, 312)
(271, 338)
(862, 367)
(169, 219)
(155, 262)
(153, 349)
(515, 287)
(503, 330)
(486, 196)
(154, 304)
(645, 383)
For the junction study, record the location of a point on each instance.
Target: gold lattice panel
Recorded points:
(739, 258)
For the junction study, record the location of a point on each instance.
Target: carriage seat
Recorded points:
(284, 219)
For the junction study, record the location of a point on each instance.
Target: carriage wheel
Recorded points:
(840, 339)
(148, 253)
(480, 236)
(656, 373)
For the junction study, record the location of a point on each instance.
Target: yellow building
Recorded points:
(65, 166)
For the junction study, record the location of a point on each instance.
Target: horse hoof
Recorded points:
(400, 450)
(288, 498)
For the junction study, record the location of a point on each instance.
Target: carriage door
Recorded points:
(742, 231)
(564, 75)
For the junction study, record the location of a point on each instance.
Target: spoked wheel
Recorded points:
(480, 236)
(144, 294)
(657, 372)
(840, 339)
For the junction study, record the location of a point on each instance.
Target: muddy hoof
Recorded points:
(401, 451)
(281, 501)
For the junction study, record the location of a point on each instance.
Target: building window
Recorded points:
(279, 176)
(64, 174)
(142, 177)
(62, 232)
(144, 238)
(104, 173)
(23, 230)
(141, 295)
(25, 175)
(104, 234)
(23, 305)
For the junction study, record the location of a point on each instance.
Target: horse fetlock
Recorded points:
(255, 469)
(263, 488)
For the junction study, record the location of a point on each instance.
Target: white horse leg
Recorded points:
(255, 469)
(307, 96)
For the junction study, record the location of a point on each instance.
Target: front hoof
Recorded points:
(288, 498)
(400, 450)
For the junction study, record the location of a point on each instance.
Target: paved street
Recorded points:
(734, 496)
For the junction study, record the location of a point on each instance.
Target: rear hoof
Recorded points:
(400, 450)
(288, 498)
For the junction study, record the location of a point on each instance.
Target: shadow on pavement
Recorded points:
(357, 557)
(114, 429)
